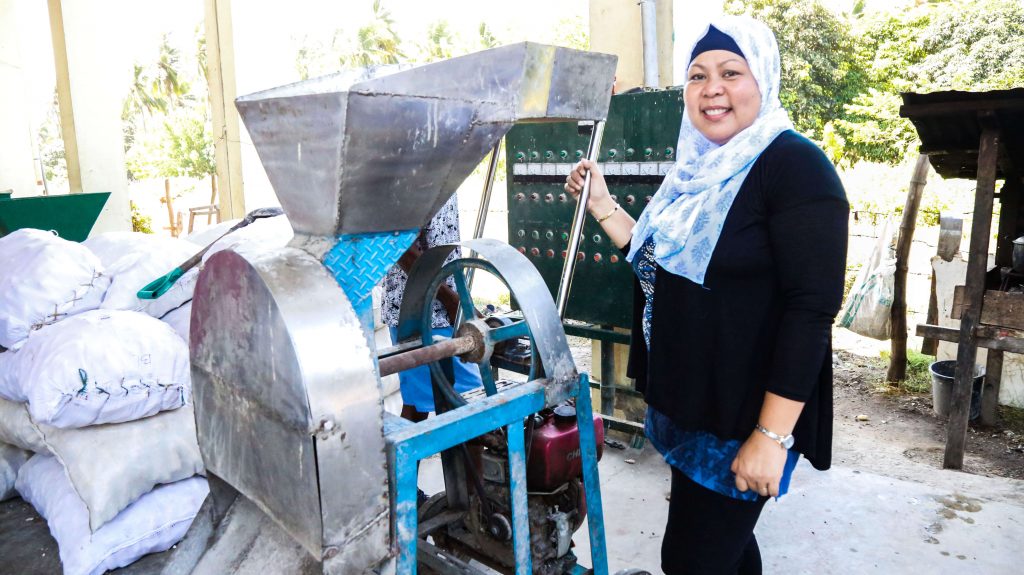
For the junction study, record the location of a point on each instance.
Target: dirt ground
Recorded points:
(869, 414)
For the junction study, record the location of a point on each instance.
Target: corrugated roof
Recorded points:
(949, 125)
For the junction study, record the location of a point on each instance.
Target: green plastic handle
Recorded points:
(160, 285)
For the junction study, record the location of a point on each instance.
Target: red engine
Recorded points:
(555, 449)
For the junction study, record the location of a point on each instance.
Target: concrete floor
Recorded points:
(846, 520)
(842, 521)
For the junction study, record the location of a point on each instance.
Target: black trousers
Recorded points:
(709, 533)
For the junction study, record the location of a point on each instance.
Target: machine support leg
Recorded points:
(607, 376)
(520, 507)
(405, 511)
(591, 481)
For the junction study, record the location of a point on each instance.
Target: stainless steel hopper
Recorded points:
(355, 153)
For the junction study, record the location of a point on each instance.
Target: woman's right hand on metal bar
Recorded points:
(614, 220)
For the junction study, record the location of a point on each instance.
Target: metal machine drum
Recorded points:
(308, 414)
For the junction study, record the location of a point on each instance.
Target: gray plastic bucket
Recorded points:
(942, 387)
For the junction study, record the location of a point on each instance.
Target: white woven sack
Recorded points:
(207, 236)
(44, 279)
(868, 310)
(868, 307)
(136, 270)
(180, 320)
(11, 460)
(102, 366)
(152, 524)
(272, 232)
(112, 246)
(110, 466)
(17, 429)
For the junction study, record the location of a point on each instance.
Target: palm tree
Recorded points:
(377, 43)
(167, 80)
(487, 39)
(141, 100)
(440, 42)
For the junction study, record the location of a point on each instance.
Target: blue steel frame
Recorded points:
(407, 443)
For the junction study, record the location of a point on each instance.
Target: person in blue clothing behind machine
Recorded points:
(417, 392)
(740, 259)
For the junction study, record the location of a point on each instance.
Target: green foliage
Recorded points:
(486, 37)
(973, 46)
(572, 33)
(852, 269)
(166, 117)
(874, 131)
(919, 379)
(819, 69)
(940, 45)
(184, 148)
(51, 145)
(880, 190)
(842, 75)
(374, 44)
(377, 43)
(140, 223)
(505, 299)
(440, 43)
(1011, 418)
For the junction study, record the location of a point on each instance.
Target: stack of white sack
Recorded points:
(44, 279)
(103, 400)
(132, 260)
(105, 397)
(100, 394)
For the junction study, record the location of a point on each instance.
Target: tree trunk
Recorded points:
(898, 324)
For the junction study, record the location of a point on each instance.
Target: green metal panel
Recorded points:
(71, 216)
(639, 143)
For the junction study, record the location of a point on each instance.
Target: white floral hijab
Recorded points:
(686, 215)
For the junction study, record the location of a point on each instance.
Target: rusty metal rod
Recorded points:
(424, 355)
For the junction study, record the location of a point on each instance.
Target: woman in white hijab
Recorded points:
(744, 246)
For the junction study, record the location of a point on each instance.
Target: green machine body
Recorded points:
(638, 149)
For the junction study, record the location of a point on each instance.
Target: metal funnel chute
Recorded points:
(363, 152)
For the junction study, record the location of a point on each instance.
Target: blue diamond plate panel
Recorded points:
(359, 261)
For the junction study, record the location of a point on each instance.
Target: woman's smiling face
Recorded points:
(722, 97)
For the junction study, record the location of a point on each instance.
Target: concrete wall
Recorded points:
(93, 75)
(17, 168)
(615, 29)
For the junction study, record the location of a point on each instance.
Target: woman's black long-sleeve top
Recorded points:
(762, 321)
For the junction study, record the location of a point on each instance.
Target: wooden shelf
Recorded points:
(989, 337)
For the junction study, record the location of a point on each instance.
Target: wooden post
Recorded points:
(220, 57)
(967, 351)
(990, 390)
(170, 208)
(898, 317)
